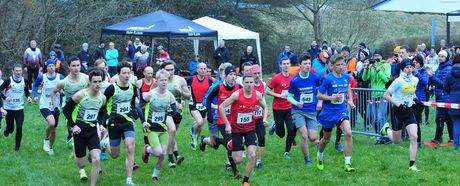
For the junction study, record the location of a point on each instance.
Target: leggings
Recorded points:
(32, 73)
(18, 116)
(284, 117)
(260, 132)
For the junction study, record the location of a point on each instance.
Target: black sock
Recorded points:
(411, 163)
(103, 150)
(171, 158)
(246, 179)
(176, 153)
(47, 139)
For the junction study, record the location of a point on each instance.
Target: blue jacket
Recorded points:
(192, 65)
(314, 52)
(292, 57)
(214, 101)
(319, 66)
(423, 78)
(438, 81)
(452, 87)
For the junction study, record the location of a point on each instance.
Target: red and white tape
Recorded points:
(442, 105)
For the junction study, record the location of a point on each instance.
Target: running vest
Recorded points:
(71, 88)
(105, 83)
(408, 92)
(120, 102)
(132, 80)
(145, 88)
(47, 87)
(158, 108)
(243, 112)
(198, 91)
(175, 83)
(87, 110)
(221, 97)
(258, 112)
(16, 92)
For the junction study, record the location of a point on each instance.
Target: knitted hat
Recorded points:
(443, 52)
(229, 70)
(323, 55)
(405, 62)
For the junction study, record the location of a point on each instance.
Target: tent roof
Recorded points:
(159, 24)
(419, 6)
(226, 30)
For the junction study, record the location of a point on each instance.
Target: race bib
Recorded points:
(17, 99)
(340, 101)
(90, 115)
(200, 107)
(123, 108)
(158, 117)
(228, 109)
(244, 118)
(258, 112)
(306, 98)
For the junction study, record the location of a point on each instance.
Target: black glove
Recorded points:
(417, 101)
(402, 107)
(56, 111)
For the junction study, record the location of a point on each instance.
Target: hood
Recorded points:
(455, 71)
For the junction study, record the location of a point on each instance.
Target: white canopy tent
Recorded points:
(226, 31)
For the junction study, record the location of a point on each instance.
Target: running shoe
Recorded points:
(70, 143)
(46, 145)
(155, 179)
(51, 152)
(272, 129)
(431, 143)
(103, 156)
(193, 146)
(192, 132)
(237, 175)
(228, 167)
(202, 144)
(413, 168)
(244, 154)
(172, 165)
(450, 142)
(83, 176)
(5, 133)
(348, 168)
(319, 164)
(259, 164)
(135, 166)
(383, 130)
(307, 162)
(180, 159)
(145, 154)
(339, 147)
(129, 181)
(287, 155)
(245, 184)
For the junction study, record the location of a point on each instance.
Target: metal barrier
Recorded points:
(371, 111)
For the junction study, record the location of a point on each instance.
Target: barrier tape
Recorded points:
(442, 105)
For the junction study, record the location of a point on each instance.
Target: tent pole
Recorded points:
(153, 50)
(169, 44)
(100, 38)
(448, 31)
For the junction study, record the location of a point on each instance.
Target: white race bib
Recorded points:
(258, 112)
(244, 118)
(200, 107)
(228, 109)
(158, 117)
(17, 99)
(306, 98)
(90, 115)
(340, 101)
(123, 108)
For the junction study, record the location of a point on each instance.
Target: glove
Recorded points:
(417, 101)
(402, 107)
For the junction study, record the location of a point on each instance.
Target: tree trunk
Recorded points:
(317, 26)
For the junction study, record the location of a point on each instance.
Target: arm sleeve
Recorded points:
(37, 83)
(291, 99)
(101, 116)
(5, 84)
(133, 100)
(67, 111)
(446, 87)
(385, 73)
(423, 79)
(211, 96)
(366, 74)
(439, 82)
(108, 93)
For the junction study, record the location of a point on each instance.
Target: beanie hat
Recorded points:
(51, 62)
(255, 69)
(443, 52)
(52, 53)
(378, 51)
(362, 45)
(346, 48)
(324, 55)
(396, 50)
(419, 59)
(229, 70)
(405, 62)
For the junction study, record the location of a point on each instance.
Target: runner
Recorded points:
(332, 91)
(261, 87)
(401, 94)
(144, 85)
(48, 81)
(132, 77)
(160, 106)
(278, 88)
(71, 84)
(121, 107)
(198, 85)
(178, 87)
(242, 124)
(302, 95)
(222, 92)
(15, 89)
(102, 64)
(83, 110)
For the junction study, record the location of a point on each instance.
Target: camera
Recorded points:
(371, 61)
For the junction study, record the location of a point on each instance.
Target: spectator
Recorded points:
(32, 60)
(141, 60)
(334, 49)
(349, 60)
(193, 63)
(149, 50)
(363, 56)
(452, 87)
(134, 48)
(52, 56)
(340, 45)
(432, 58)
(402, 53)
(362, 46)
(314, 50)
(59, 52)
(248, 56)
(425, 51)
(99, 53)
(420, 72)
(437, 79)
(221, 54)
(86, 59)
(320, 63)
(246, 69)
(111, 56)
(162, 56)
(289, 54)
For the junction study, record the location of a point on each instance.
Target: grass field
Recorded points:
(375, 164)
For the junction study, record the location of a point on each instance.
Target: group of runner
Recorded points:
(101, 111)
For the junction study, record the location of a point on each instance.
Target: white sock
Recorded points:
(320, 156)
(347, 159)
(149, 150)
(82, 170)
(156, 172)
(129, 179)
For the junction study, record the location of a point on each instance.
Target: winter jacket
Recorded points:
(319, 66)
(111, 56)
(452, 87)
(221, 55)
(438, 81)
(379, 78)
(251, 58)
(314, 51)
(423, 78)
(292, 57)
(99, 53)
(85, 58)
(192, 65)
